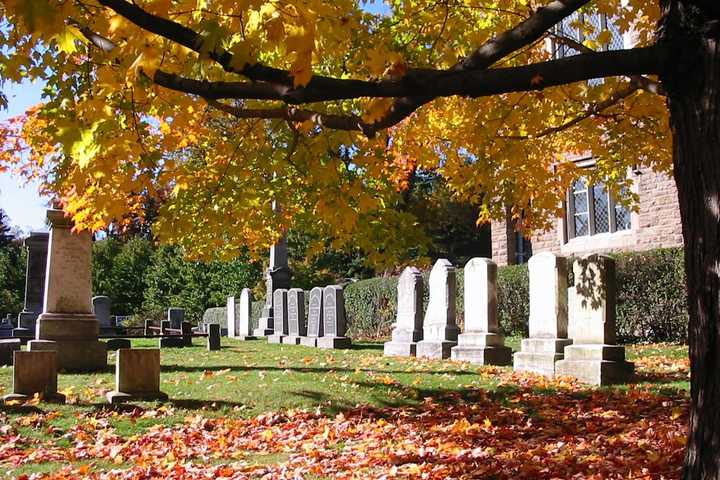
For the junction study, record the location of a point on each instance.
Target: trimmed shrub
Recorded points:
(651, 299)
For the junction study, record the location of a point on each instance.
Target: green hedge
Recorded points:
(651, 299)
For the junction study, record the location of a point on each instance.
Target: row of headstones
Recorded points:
(326, 323)
(137, 376)
(581, 345)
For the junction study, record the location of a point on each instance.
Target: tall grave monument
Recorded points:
(334, 321)
(548, 316)
(409, 320)
(315, 327)
(278, 275)
(440, 332)
(238, 316)
(594, 357)
(67, 323)
(297, 327)
(37, 248)
(481, 342)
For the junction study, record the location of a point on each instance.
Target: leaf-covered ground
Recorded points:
(255, 410)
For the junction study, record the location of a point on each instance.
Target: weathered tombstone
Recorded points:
(164, 327)
(277, 276)
(117, 343)
(35, 373)
(296, 316)
(439, 329)
(243, 312)
(334, 322)
(593, 357)
(548, 322)
(186, 332)
(7, 348)
(280, 317)
(409, 319)
(6, 326)
(147, 331)
(175, 316)
(101, 309)
(37, 252)
(67, 323)
(315, 327)
(213, 338)
(231, 317)
(481, 343)
(137, 376)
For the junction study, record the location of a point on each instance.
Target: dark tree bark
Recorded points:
(693, 86)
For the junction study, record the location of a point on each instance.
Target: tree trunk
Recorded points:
(693, 86)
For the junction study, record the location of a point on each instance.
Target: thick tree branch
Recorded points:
(292, 114)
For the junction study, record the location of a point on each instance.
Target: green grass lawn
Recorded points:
(246, 379)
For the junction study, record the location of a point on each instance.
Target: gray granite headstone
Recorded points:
(6, 326)
(101, 309)
(334, 321)
(296, 316)
(176, 316)
(315, 325)
(280, 316)
(37, 252)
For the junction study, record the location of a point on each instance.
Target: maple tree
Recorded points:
(219, 107)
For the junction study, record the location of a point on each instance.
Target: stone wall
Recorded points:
(655, 225)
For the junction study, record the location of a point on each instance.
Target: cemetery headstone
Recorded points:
(117, 343)
(594, 357)
(137, 376)
(37, 251)
(231, 317)
(243, 312)
(147, 331)
(186, 332)
(101, 308)
(409, 319)
(481, 343)
(439, 329)
(334, 321)
(277, 276)
(296, 316)
(213, 338)
(280, 317)
(315, 327)
(6, 326)
(175, 316)
(67, 318)
(7, 348)
(35, 372)
(548, 322)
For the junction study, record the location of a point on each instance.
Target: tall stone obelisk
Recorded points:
(37, 248)
(278, 275)
(67, 323)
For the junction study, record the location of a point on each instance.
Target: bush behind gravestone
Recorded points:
(651, 299)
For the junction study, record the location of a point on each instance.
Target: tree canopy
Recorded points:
(216, 108)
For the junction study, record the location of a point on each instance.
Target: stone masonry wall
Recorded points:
(656, 225)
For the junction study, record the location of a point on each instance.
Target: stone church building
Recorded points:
(593, 223)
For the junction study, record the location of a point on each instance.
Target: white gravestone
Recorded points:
(231, 315)
(409, 320)
(481, 342)
(296, 316)
(334, 319)
(67, 324)
(593, 357)
(315, 326)
(243, 312)
(548, 322)
(280, 319)
(440, 332)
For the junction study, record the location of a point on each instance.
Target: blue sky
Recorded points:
(21, 201)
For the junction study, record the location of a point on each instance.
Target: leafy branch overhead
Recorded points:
(216, 108)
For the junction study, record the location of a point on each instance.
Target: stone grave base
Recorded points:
(538, 355)
(23, 333)
(171, 342)
(244, 337)
(334, 342)
(483, 355)
(434, 349)
(74, 355)
(47, 398)
(265, 327)
(7, 347)
(275, 338)
(308, 341)
(115, 397)
(291, 340)
(399, 349)
(596, 364)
